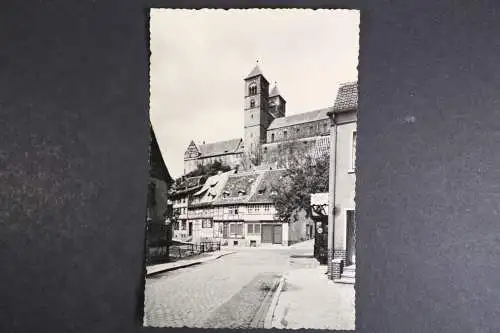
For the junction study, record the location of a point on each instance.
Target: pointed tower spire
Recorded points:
(256, 71)
(275, 91)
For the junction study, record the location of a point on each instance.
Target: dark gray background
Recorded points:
(73, 164)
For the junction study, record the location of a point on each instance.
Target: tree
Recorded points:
(251, 159)
(306, 172)
(209, 169)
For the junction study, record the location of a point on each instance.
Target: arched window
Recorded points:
(252, 89)
(272, 137)
(252, 103)
(285, 134)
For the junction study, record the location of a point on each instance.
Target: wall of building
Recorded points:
(345, 182)
(298, 228)
(278, 151)
(285, 238)
(181, 204)
(161, 199)
(304, 130)
(201, 233)
(190, 165)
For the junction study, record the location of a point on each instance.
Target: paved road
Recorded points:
(223, 293)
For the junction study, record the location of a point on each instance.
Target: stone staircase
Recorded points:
(348, 275)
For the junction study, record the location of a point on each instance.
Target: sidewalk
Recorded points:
(309, 300)
(156, 269)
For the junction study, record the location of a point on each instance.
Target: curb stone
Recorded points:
(187, 265)
(258, 321)
(268, 322)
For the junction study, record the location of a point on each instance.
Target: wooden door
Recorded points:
(267, 233)
(277, 237)
(351, 237)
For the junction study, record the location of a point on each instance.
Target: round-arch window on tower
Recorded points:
(252, 103)
(252, 89)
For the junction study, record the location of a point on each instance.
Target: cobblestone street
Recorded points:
(230, 292)
(222, 293)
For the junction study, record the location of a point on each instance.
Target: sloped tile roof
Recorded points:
(212, 188)
(347, 97)
(220, 147)
(188, 185)
(275, 92)
(263, 191)
(157, 167)
(239, 188)
(300, 118)
(256, 71)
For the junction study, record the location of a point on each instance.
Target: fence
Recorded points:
(187, 250)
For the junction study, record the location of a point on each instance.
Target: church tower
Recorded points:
(277, 103)
(257, 117)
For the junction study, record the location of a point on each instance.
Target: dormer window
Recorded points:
(242, 192)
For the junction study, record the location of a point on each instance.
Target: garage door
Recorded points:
(267, 233)
(277, 234)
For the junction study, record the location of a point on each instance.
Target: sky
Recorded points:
(199, 59)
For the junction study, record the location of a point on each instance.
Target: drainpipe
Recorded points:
(331, 191)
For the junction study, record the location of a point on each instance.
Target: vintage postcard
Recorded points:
(251, 211)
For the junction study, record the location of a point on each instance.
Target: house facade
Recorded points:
(237, 209)
(341, 204)
(159, 212)
(201, 210)
(245, 215)
(181, 193)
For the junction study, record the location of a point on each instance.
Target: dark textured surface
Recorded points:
(73, 164)
(347, 97)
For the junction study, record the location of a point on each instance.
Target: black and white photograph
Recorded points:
(251, 206)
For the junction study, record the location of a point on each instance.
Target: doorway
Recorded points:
(271, 234)
(190, 229)
(351, 237)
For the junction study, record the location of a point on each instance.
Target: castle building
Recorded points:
(267, 129)
(238, 207)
